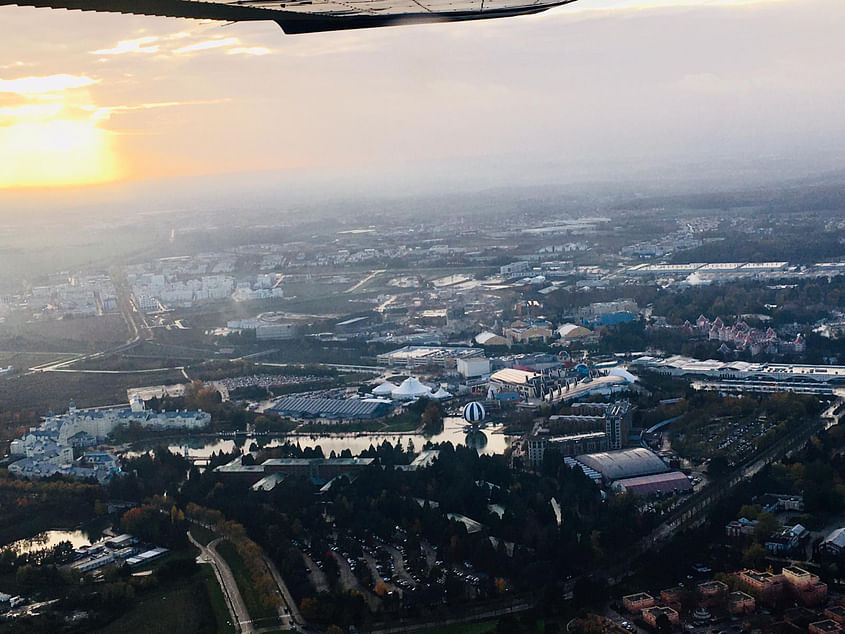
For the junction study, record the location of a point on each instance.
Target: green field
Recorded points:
(194, 606)
(245, 584)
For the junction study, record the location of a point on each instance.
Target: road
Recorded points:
(316, 574)
(377, 576)
(291, 614)
(354, 288)
(430, 554)
(348, 581)
(234, 600)
(399, 565)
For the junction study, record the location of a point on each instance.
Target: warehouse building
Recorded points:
(417, 356)
(627, 463)
(335, 409)
(658, 484)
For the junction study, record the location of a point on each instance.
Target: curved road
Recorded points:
(234, 600)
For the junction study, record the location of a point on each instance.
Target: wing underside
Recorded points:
(308, 16)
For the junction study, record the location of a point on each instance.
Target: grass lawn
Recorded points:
(245, 584)
(202, 534)
(217, 600)
(191, 607)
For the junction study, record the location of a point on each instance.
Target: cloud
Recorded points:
(254, 50)
(711, 83)
(100, 113)
(50, 83)
(25, 113)
(207, 45)
(139, 45)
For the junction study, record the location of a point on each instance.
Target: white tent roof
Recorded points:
(484, 337)
(573, 331)
(624, 374)
(411, 388)
(384, 388)
(441, 394)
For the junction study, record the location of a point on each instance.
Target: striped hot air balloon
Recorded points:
(474, 412)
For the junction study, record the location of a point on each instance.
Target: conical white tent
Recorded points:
(441, 395)
(384, 389)
(410, 389)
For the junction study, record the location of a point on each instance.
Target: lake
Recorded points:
(49, 539)
(489, 441)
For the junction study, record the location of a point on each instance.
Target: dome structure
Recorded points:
(625, 463)
(410, 389)
(474, 412)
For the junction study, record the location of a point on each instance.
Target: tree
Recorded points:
(718, 467)
(664, 625)
(750, 511)
(754, 557)
(432, 419)
(766, 525)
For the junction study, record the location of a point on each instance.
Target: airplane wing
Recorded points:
(309, 16)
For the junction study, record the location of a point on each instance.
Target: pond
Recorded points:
(49, 539)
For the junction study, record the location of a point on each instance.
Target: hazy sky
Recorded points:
(97, 97)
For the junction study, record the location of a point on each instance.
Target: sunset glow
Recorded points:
(54, 153)
(96, 98)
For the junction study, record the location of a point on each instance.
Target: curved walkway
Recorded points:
(234, 600)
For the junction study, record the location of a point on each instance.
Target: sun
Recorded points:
(56, 153)
(48, 135)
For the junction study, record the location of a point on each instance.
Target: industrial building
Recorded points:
(743, 376)
(473, 367)
(521, 382)
(330, 408)
(315, 468)
(627, 463)
(417, 356)
(601, 427)
(318, 470)
(488, 338)
(573, 332)
(658, 484)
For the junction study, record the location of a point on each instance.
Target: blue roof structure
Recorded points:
(301, 407)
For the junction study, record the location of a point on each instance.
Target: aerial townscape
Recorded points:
(517, 317)
(594, 414)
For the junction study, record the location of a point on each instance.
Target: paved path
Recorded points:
(430, 554)
(316, 576)
(348, 581)
(399, 565)
(291, 614)
(355, 287)
(234, 600)
(377, 576)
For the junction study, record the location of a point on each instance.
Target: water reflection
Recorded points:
(476, 439)
(454, 431)
(48, 539)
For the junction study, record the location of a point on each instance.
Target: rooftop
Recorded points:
(626, 463)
